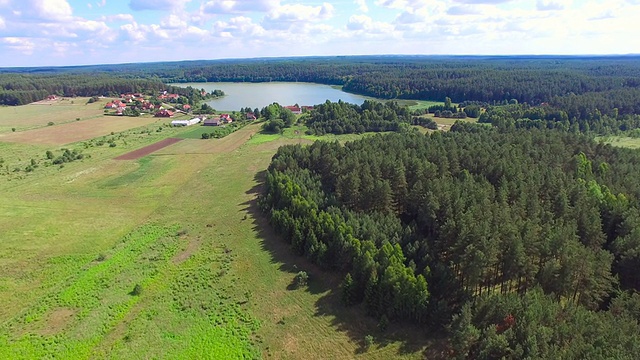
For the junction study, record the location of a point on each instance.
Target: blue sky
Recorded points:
(71, 32)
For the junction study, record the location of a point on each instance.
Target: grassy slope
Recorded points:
(218, 290)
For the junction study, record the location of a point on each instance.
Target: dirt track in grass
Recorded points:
(136, 154)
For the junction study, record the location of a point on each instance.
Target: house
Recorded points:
(251, 116)
(164, 113)
(110, 105)
(294, 109)
(51, 97)
(173, 96)
(226, 118)
(212, 122)
(186, 107)
(307, 108)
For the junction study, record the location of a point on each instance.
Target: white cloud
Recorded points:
(52, 10)
(118, 17)
(285, 15)
(2, 23)
(240, 6)
(173, 22)
(22, 45)
(101, 3)
(364, 24)
(163, 5)
(362, 5)
(549, 5)
(464, 10)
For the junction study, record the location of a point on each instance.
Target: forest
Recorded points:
(522, 243)
(577, 84)
(21, 89)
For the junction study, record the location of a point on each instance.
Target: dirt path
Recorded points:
(136, 154)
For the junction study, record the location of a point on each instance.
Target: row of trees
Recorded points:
(420, 225)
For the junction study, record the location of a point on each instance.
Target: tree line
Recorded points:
(577, 84)
(479, 220)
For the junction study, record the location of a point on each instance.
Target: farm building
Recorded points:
(294, 109)
(251, 116)
(164, 113)
(185, 122)
(212, 122)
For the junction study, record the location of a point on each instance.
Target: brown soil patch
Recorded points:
(191, 248)
(136, 154)
(57, 321)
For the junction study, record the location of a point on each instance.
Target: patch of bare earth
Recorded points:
(57, 321)
(192, 247)
(136, 154)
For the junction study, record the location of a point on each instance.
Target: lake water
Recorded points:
(259, 95)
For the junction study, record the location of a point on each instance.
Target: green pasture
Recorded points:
(166, 256)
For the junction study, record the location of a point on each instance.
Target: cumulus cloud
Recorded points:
(164, 5)
(22, 45)
(464, 10)
(364, 24)
(239, 6)
(118, 17)
(291, 13)
(362, 5)
(173, 22)
(550, 5)
(43, 10)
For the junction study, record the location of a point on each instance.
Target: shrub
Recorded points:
(137, 290)
(368, 341)
(301, 279)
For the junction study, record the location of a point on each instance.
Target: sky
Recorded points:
(78, 32)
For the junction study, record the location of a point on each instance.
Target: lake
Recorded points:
(259, 95)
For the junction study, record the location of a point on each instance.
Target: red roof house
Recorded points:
(164, 113)
(294, 109)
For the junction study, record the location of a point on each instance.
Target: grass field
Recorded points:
(180, 226)
(60, 111)
(621, 141)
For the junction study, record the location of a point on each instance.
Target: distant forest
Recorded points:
(578, 84)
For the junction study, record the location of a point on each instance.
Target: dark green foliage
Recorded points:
(550, 117)
(344, 118)
(422, 224)
(536, 326)
(67, 156)
(137, 290)
(277, 118)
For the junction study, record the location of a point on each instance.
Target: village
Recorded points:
(168, 105)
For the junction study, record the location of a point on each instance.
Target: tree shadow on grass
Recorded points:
(352, 321)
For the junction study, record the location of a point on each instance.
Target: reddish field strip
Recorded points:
(136, 154)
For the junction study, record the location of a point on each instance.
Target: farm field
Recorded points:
(78, 130)
(164, 257)
(59, 111)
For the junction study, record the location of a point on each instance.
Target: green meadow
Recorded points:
(164, 257)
